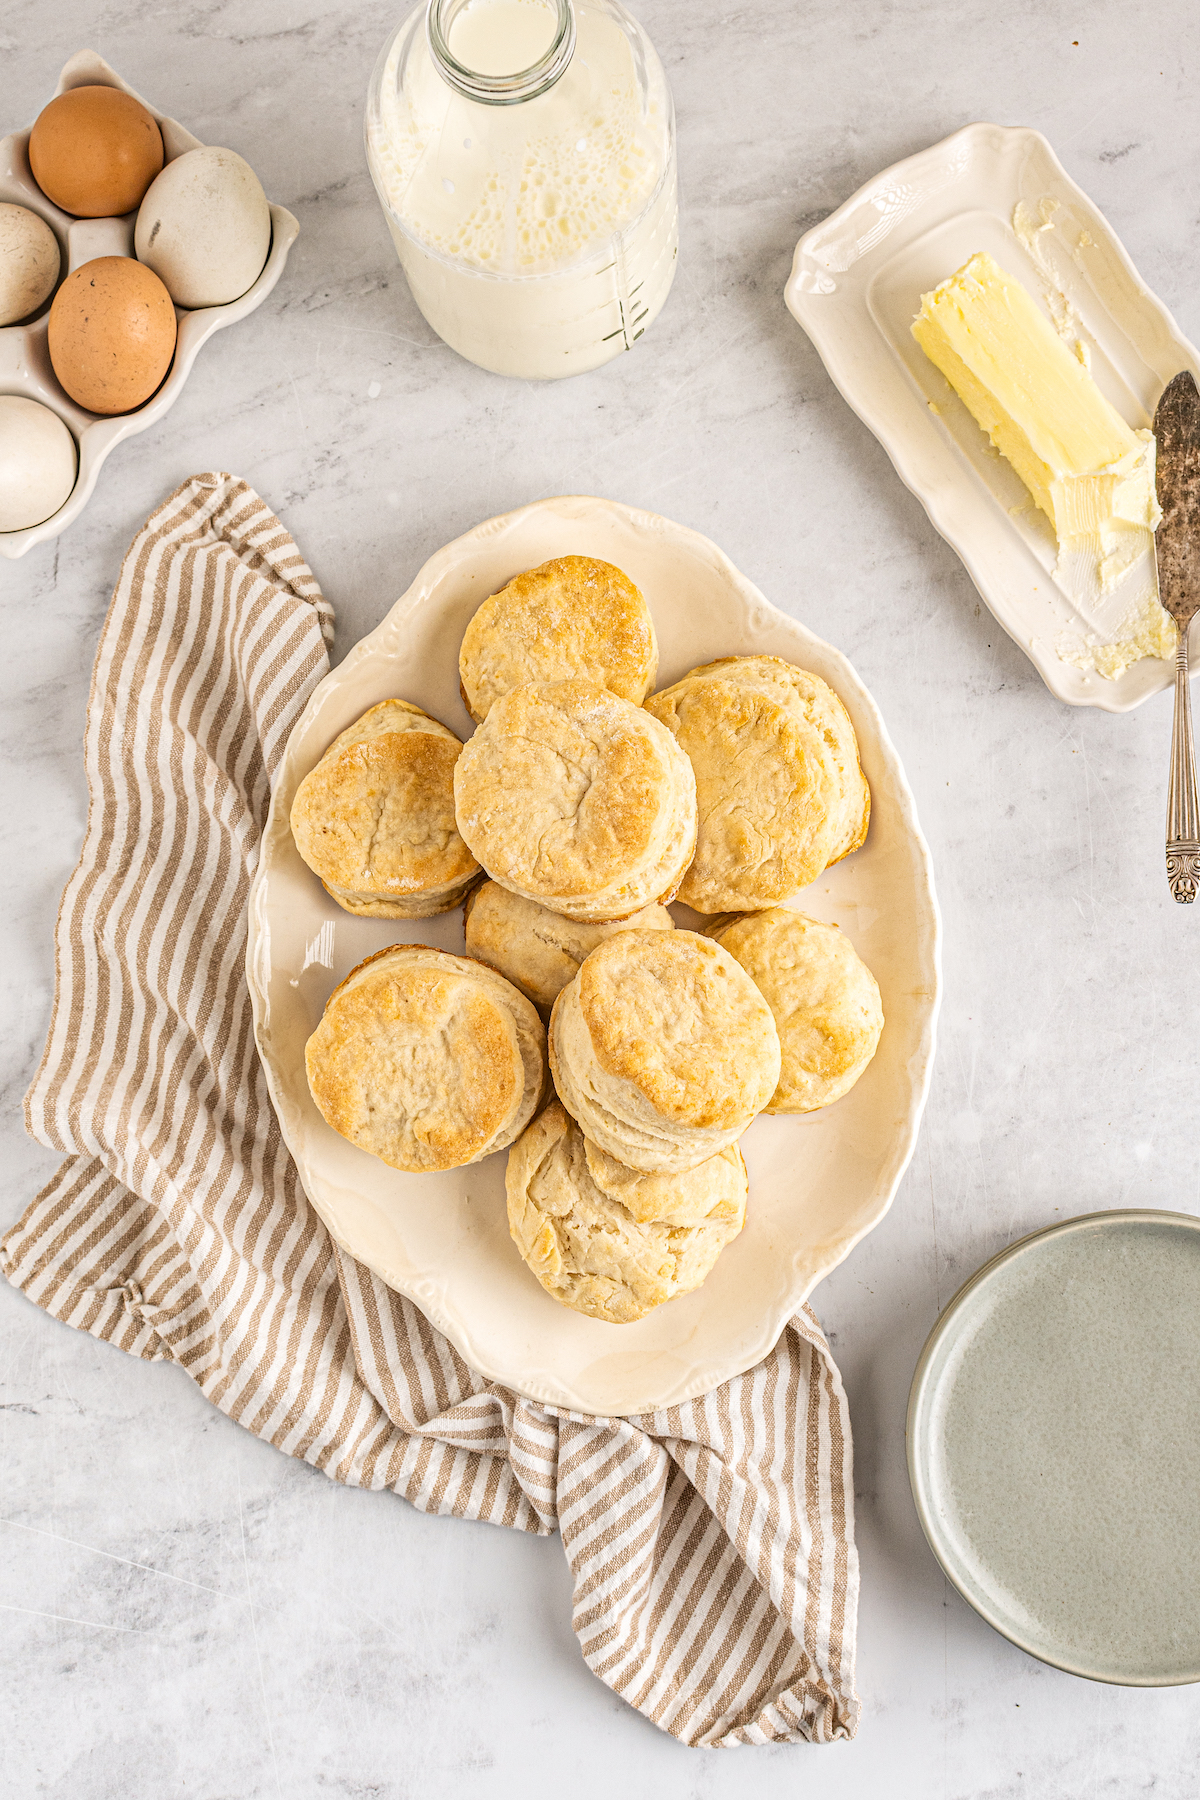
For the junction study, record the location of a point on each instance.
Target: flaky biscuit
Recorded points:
(577, 799)
(574, 618)
(588, 1250)
(663, 1049)
(539, 951)
(824, 709)
(427, 1060)
(779, 787)
(824, 998)
(375, 817)
(711, 1192)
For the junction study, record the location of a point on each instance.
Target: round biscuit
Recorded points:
(779, 787)
(427, 1060)
(799, 689)
(575, 798)
(824, 999)
(712, 1191)
(574, 618)
(663, 1049)
(375, 817)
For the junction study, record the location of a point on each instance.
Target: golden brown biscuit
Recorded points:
(375, 817)
(780, 791)
(589, 1251)
(825, 1001)
(573, 619)
(427, 1060)
(663, 1049)
(713, 1191)
(577, 799)
(538, 950)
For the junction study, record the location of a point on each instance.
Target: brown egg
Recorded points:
(111, 334)
(94, 151)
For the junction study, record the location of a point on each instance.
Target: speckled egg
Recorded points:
(94, 151)
(111, 334)
(29, 262)
(205, 227)
(37, 462)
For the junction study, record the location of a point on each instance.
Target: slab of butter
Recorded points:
(1079, 459)
(1089, 472)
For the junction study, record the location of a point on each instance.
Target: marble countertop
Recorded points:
(183, 1611)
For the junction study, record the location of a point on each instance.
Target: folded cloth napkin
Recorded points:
(712, 1544)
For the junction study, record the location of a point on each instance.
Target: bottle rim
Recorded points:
(500, 90)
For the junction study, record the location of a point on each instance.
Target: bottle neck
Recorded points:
(499, 90)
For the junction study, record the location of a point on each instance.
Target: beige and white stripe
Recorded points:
(712, 1545)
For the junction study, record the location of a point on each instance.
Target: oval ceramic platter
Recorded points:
(817, 1183)
(1054, 1445)
(856, 286)
(25, 366)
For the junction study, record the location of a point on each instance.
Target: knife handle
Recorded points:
(1183, 812)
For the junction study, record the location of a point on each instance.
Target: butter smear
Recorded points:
(1091, 474)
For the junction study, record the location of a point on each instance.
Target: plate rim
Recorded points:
(1109, 696)
(919, 1396)
(929, 945)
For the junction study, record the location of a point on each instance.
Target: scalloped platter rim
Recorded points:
(818, 1184)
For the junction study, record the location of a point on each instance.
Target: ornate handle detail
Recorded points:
(1183, 871)
(1183, 812)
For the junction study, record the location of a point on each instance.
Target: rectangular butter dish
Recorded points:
(856, 286)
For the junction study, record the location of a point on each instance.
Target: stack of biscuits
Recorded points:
(618, 1058)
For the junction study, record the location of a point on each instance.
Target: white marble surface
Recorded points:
(182, 1610)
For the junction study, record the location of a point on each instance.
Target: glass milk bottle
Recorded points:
(524, 155)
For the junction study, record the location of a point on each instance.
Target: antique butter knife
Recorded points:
(1177, 550)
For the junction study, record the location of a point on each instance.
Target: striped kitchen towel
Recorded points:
(711, 1544)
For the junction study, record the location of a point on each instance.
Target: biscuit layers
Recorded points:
(375, 817)
(427, 1060)
(712, 1192)
(577, 799)
(588, 1250)
(539, 951)
(663, 1049)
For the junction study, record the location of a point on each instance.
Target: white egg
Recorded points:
(37, 462)
(204, 227)
(29, 262)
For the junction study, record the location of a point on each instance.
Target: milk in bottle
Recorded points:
(524, 154)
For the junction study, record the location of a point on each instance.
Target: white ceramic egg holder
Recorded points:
(24, 355)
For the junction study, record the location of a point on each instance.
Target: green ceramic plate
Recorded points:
(1054, 1445)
